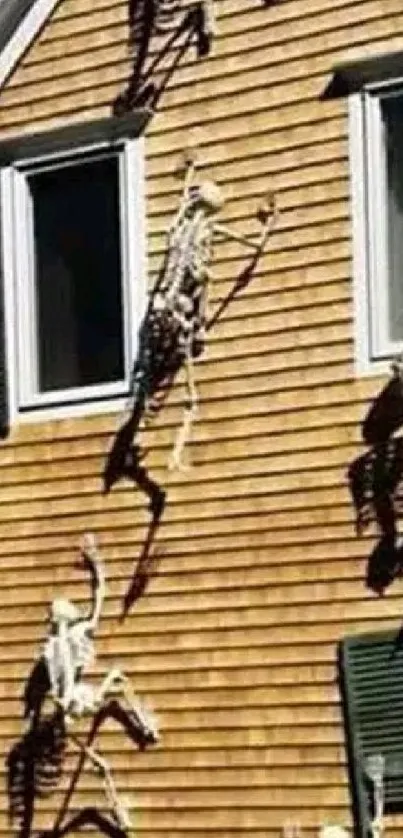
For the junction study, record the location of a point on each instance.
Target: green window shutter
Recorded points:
(371, 669)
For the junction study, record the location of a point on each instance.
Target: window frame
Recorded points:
(374, 348)
(26, 403)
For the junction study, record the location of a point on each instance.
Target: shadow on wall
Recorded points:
(160, 33)
(376, 483)
(35, 763)
(124, 460)
(156, 53)
(149, 59)
(171, 336)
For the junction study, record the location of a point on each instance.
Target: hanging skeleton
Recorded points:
(173, 332)
(68, 652)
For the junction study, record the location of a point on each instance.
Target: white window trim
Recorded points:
(109, 397)
(23, 35)
(373, 349)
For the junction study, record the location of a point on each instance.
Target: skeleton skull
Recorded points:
(63, 611)
(209, 196)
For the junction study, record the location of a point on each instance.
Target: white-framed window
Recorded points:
(376, 166)
(73, 254)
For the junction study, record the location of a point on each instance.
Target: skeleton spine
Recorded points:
(183, 260)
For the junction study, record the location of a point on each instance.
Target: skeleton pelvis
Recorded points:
(83, 700)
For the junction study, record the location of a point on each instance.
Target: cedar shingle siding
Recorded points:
(260, 571)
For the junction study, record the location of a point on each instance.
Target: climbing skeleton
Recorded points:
(68, 652)
(175, 324)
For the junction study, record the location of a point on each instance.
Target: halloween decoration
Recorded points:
(375, 769)
(174, 329)
(167, 12)
(68, 652)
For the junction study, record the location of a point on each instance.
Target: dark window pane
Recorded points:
(78, 275)
(392, 112)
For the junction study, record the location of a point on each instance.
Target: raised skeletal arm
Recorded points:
(267, 215)
(187, 170)
(90, 554)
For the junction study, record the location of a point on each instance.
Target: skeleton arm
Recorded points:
(90, 554)
(267, 215)
(175, 460)
(188, 167)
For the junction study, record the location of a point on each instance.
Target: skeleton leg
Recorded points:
(169, 10)
(111, 683)
(145, 719)
(175, 460)
(120, 811)
(115, 681)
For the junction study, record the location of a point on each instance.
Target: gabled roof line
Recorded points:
(23, 35)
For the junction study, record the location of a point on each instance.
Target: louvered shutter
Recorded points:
(372, 683)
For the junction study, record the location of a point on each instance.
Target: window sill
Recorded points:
(69, 411)
(371, 368)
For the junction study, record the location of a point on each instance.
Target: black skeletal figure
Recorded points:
(376, 482)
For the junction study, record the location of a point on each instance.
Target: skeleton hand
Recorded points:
(89, 547)
(268, 208)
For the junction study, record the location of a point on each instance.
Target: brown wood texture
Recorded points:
(259, 571)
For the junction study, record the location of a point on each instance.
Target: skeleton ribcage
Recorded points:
(166, 13)
(75, 652)
(82, 646)
(54, 655)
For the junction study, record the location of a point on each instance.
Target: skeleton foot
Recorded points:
(175, 463)
(116, 681)
(118, 806)
(143, 718)
(122, 815)
(144, 723)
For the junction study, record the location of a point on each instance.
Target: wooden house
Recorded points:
(231, 586)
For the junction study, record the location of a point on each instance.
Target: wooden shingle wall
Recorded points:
(260, 571)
